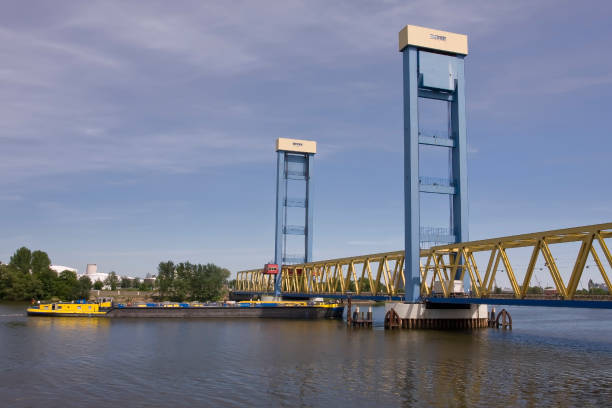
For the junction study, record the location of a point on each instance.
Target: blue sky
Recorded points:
(132, 133)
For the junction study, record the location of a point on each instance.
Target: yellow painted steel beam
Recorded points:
(552, 267)
(424, 288)
(608, 256)
(472, 268)
(437, 271)
(339, 275)
(530, 268)
(553, 237)
(509, 271)
(476, 271)
(601, 268)
(583, 254)
(398, 274)
(444, 267)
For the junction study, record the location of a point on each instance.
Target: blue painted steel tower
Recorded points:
(433, 69)
(293, 203)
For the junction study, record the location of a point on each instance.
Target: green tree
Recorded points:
(84, 287)
(67, 286)
(207, 282)
(22, 260)
(145, 285)
(136, 282)
(191, 281)
(181, 285)
(598, 291)
(28, 276)
(112, 280)
(46, 282)
(17, 281)
(535, 290)
(126, 282)
(4, 272)
(364, 284)
(98, 285)
(41, 270)
(351, 286)
(40, 262)
(18, 286)
(165, 278)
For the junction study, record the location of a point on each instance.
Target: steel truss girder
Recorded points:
(383, 274)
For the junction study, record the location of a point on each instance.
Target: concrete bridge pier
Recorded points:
(435, 316)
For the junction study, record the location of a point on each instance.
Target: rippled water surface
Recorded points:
(552, 357)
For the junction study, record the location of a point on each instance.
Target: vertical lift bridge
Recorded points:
(433, 68)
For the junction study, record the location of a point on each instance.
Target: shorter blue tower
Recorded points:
(293, 203)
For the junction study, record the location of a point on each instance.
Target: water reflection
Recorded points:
(174, 362)
(78, 324)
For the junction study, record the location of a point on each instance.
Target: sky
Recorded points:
(137, 132)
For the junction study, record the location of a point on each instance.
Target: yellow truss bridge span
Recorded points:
(483, 261)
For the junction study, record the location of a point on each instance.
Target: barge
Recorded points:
(314, 309)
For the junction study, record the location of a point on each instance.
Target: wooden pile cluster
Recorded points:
(357, 318)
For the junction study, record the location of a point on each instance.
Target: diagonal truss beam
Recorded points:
(442, 263)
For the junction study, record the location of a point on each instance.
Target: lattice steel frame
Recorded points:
(382, 274)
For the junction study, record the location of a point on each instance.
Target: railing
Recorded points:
(382, 274)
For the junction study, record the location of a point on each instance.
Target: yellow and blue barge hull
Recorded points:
(249, 309)
(70, 309)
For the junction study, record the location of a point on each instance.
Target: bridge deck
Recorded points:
(381, 276)
(590, 302)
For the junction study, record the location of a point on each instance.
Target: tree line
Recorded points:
(28, 275)
(114, 282)
(187, 281)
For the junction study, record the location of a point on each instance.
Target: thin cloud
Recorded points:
(95, 86)
(11, 197)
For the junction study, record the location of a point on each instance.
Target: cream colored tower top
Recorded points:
(295, 145)
(433, 39)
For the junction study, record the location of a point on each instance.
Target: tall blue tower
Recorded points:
(433, 70)
(293, 204)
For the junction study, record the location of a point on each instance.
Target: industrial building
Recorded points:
(61, 268)
(92, 273)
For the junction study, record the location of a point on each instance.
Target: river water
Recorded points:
(552, 357)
